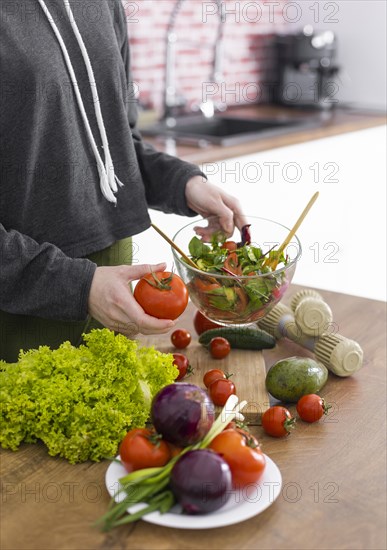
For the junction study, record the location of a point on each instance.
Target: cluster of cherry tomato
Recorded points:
(219, 386)
(181, 338)
(278, 421)
(219, 347)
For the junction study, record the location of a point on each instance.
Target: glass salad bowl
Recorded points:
(236, 283)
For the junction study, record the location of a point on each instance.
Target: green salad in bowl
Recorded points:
(237, 278)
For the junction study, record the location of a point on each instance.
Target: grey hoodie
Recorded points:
(52, 211)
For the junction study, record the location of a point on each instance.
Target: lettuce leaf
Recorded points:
(81, 401)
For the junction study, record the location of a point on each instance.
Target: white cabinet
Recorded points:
(343, 236)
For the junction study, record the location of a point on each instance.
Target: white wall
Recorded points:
(360, 26)
(344, 235)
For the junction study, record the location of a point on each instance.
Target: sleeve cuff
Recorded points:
(90, 269)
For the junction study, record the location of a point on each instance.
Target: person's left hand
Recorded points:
(209, 200)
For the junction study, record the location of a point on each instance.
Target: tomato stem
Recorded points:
(326, 406)
(154, 438)
(289, 424)
(161, 284)
(190, 371)
(250, 441)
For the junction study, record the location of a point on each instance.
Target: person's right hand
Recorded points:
(111, 301)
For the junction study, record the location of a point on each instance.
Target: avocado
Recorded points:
(290, 379)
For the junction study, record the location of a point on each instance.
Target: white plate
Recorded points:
(241, 505)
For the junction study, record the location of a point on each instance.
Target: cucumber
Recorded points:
(290, 379)
(240, 337)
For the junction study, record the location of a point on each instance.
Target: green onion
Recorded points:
(149, 485)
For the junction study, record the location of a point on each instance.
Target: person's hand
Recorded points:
(111, 301)
(209, 200)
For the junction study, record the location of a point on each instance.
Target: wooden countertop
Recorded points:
(335, 122)
(333, 472)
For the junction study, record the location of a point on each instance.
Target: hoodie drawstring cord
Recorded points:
(108, 179)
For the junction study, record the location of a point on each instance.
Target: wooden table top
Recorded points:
(333, 472)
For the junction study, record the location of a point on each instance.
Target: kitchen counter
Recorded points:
(332, 123)
(333, 472)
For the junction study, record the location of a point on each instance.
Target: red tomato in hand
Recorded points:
(180, 338)
(219, 347)
(182, 364)
(312, 407)
(245, 459)
(162, 295)
(277, 421)
(201, 323)
(212, 375)
(143, 448)
(220, 390)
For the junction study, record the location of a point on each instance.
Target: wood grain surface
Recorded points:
(334, 479)
(246, 366)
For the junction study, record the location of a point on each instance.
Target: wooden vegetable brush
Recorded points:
(339, 354)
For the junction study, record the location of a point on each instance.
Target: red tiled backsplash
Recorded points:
(247, 57)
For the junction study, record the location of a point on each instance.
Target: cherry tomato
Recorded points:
(162, 295)
(143, 448)
(212, 375)
(277, 421)
(242, 429)
(230, 245)
(201, 323)
(220, 390)
(245, 459)
(312, 407)
(182, 363)
(219, 347)
(180, 338)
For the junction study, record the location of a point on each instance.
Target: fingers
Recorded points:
(209, 199)
(134, 317)
(239, 219)
(213, 225)
(151, 325)
(132, 328)
(112, 304)
(228, 214)
(228, 210)
(141, 323)
(136, 272)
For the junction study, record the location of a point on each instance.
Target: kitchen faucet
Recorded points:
(173, 102)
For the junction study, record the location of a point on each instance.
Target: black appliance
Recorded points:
(306, 69)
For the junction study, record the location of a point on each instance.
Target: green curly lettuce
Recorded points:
(81, 401)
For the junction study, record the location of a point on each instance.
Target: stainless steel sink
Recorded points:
(225, 130)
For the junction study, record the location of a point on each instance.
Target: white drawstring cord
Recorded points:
(106, 172)
(97, 105)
